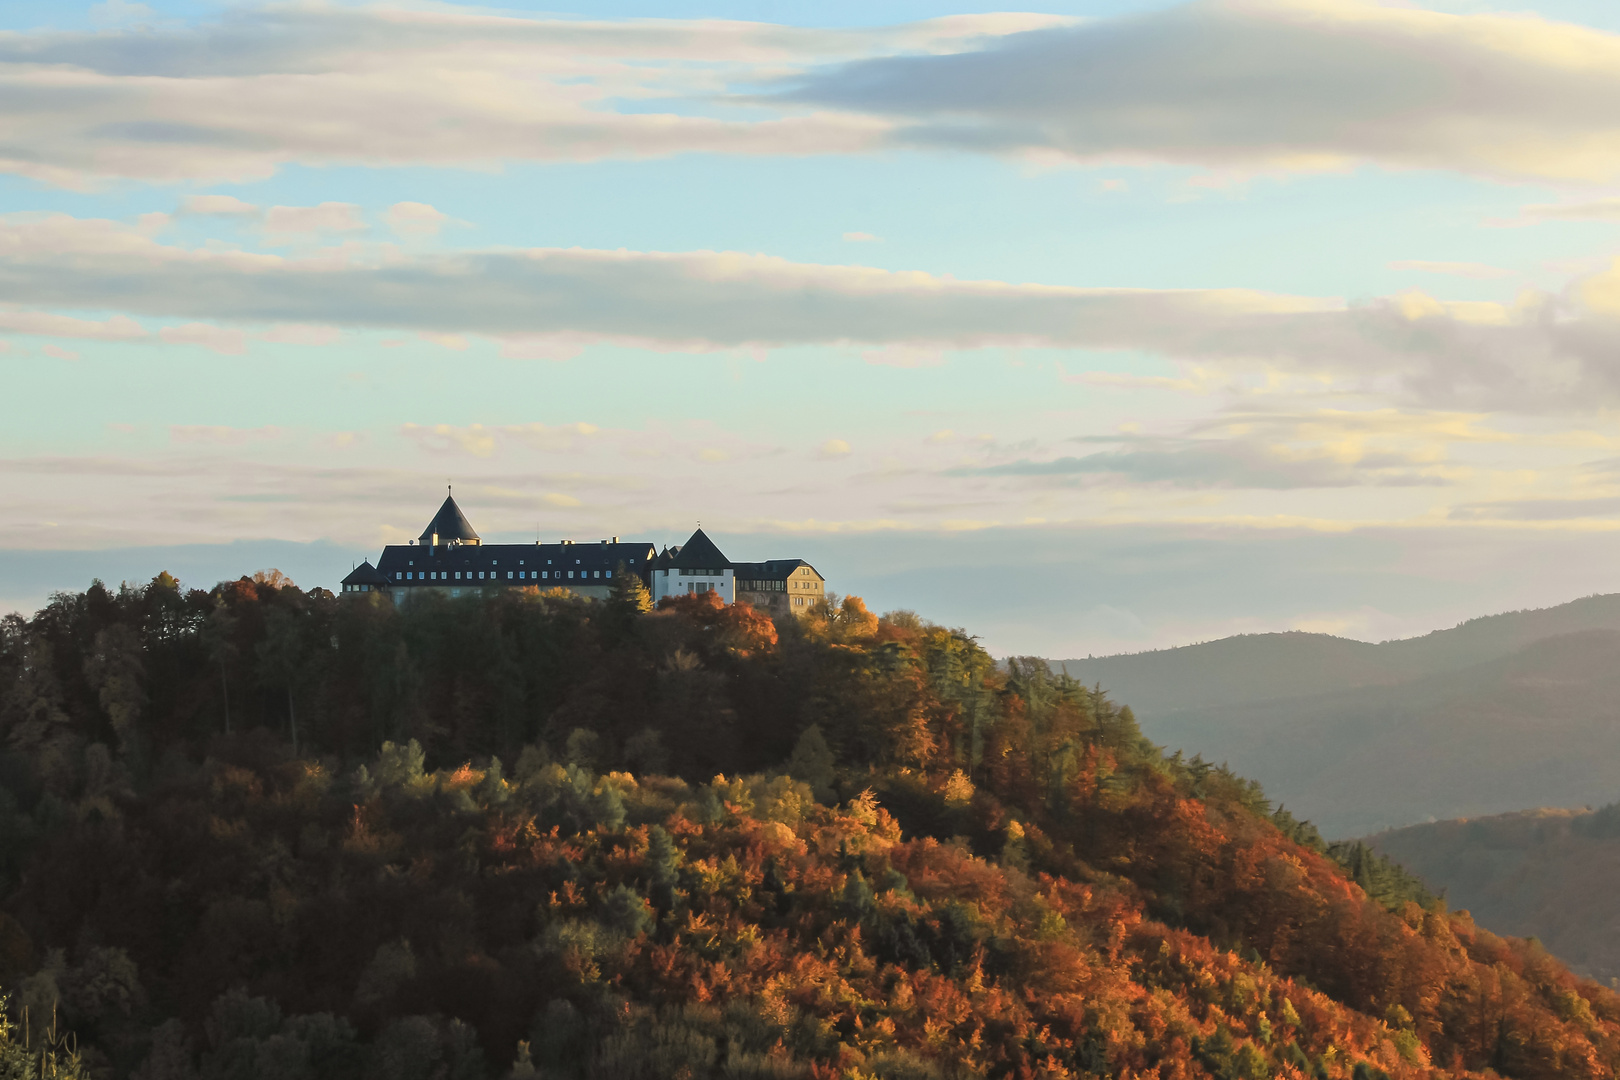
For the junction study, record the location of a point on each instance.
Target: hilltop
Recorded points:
(1550, 874)
(258, 832)
(1494, 715)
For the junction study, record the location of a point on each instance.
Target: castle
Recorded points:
(450, 557)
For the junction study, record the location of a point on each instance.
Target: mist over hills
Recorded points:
(1494, 715)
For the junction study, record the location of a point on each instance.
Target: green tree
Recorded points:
(217, 632)
(115, 669)
(812, 762)
(48, 1057)
(282, 655)
(629, 594)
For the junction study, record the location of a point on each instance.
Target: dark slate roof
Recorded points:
(698, 553)
(450, 523)
(365, 574)
(771, 570)
(398, 558)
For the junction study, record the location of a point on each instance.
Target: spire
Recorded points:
(449, 525)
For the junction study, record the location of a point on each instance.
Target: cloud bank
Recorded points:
(1265, 84)
(1543, 353)
(1245, 84)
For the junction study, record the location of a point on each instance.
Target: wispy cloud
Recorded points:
(415, 219)
(1476, 271)
(225, 340)
(1224, 84)
(1543, 352)
(1264, 84)
(1591, 210)
(281, 222)
(217, 206)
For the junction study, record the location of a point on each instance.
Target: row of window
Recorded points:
(694, 573)
(522, 575)
(748, 585)
(496, 562)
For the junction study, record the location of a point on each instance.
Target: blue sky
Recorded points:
(1295, 293)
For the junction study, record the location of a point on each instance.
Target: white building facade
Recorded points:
(697, 566)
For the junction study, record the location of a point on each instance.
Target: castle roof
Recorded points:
(450, 524)
(366, 574)
(771, 569)
(698, 553)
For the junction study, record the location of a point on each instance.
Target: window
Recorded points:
(570, 573)
(596, 573)
(610, 573)
(458, 575)
(509, 575)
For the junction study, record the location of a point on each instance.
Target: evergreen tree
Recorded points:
(812, 762)
(629, 595)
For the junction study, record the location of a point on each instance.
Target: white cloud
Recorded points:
(217, 205)
(904, 356)
(833, 448)
(481, 441)
(221, 435)
(47, 324)
(415, 219)
(281, 221)
(225, 340)
(1271, 84)
(1541, 352)
(59, 353)
(860, 238)
(1224, 84)
(1592, 210)
(474, 439)
(454, 342)
(296, 334)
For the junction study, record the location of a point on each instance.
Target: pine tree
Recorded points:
(629, 595)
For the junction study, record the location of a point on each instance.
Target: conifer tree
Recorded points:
(629, 594)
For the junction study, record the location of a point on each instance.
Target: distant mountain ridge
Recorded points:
(1272, 667)
(1496, 714)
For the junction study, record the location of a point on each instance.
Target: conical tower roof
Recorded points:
(450, 524)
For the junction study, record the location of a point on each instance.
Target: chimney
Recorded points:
(615, 539)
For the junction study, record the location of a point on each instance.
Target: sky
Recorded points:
(1090, 327)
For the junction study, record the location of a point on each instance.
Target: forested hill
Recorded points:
(258, 832)
(1551, 874)
(1491, 716)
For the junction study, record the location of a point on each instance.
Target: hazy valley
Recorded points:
(1499, 714)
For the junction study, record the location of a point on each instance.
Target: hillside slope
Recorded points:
(263, 834)
(1551, 874)
(1497, 714)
